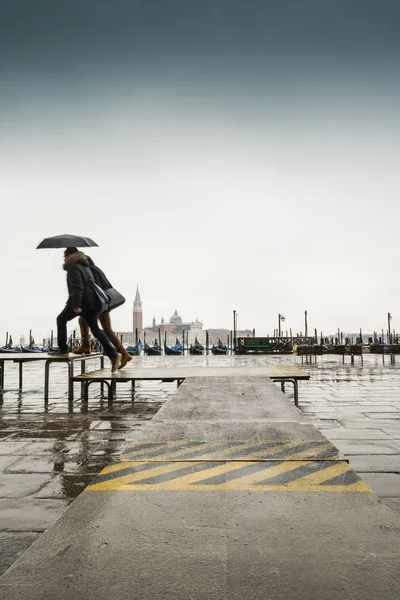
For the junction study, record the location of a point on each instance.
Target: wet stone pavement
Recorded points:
(47, 457)
(357, 407)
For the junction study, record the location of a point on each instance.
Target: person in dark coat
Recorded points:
(104, 319)
(81, 301)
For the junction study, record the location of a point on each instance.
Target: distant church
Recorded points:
(137, 313)
(173, 329)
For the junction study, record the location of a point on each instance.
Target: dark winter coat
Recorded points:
(98, 275)
(80, 282)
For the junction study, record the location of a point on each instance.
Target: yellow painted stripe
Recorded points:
(143, 451)
(167, 456)
(206, 452)
(326, 474)
(250, 482)
(115, 484)
(192, 478)
(254, 478)
(358, 487)
(308, 454)
(204, 455)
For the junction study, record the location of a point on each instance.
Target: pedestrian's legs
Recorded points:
(66, 315)
(105, 321)
(91, 319)
(84, 347)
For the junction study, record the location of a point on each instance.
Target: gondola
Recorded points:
(220, 349)
(175, 350)
(135, 350)
(154, 350)
(32, 349)
(10, 350)
(196, 348)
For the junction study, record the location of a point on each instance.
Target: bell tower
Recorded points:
(137, 313)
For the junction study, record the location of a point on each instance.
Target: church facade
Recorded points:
(172, 329)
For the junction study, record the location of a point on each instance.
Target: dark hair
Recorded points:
(70, 250)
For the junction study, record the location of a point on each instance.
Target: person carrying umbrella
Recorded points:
(81, 301)
(104, 319)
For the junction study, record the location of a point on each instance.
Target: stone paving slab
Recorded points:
(28, 514)
(7, 461)
(21, 485)
(391, 432)
(356, 434)
(368, 446)
(65, 486)
(372, 463)
(387, 483)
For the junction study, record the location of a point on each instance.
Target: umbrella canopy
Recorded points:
(66, 241)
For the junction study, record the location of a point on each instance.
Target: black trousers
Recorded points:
(91, 318)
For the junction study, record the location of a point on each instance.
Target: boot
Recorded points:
(82, 349)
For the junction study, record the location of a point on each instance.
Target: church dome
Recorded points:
(175, 319)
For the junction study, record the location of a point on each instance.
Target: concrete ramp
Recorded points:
(229, 493)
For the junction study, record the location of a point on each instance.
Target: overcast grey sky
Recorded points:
(224, 155)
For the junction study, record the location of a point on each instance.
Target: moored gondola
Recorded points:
(32, 348)
(220, 348)
(175, 350)
(196, 348)
(9, 348)
(135, 350)
(154, 350)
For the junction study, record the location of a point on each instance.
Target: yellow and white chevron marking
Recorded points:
(184, 450)
(253, 476)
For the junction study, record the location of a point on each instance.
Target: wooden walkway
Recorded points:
(23, 358)
(172, 371)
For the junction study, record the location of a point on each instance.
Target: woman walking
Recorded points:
(104, 318)
(81, 301)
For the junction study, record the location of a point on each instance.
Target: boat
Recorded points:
(32, 348)
(9, 348)
(135, 350)
(154, 350)
(220, 349)
(196, 348)
(175, 350)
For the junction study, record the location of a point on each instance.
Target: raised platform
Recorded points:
(170, 369)
(228, 493)
(22, 358)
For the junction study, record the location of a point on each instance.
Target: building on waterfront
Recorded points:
(174, 329)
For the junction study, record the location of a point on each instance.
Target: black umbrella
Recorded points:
(66, 241)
